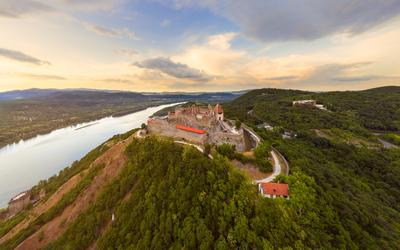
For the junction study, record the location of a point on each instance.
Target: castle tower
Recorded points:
(219, 112)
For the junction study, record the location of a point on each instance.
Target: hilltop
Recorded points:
(153, 193)
(376, 109)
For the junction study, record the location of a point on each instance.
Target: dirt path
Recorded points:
(114, 160)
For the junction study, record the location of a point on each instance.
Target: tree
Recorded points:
(238, 124)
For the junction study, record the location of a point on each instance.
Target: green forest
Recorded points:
(173, 197)
(357, 185)
(343, 195)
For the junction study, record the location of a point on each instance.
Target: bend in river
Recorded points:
(25, 163)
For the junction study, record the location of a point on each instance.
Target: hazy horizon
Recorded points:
(187, 92)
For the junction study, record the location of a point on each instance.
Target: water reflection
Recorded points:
(25, 163)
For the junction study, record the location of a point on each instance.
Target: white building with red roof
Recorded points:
(274, 190)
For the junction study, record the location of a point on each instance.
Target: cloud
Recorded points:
(221, 41)
(334, 73)
(110, 32)
(92, 5)
(117, 80)
(282, 78)
(126, 52)
(177, 70)
(214, 55)
(21, 57)
(18, 8)
(42, 77)
(272, 20)
(362, 78)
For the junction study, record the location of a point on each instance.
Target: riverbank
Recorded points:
(25, 122)
(26, 163)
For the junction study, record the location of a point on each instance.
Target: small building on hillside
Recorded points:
(19, 202)
(266, 126)
(274, 190)
(305, 103)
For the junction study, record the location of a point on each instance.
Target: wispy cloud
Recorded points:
(117, 80)
(111, 32)
(177, 70)
(361, 78)
(126, 52)
(282, 78)
(18, 8)
(21, 57)
(336, 73)
(93, 5)
(271, 20)
(42, 77)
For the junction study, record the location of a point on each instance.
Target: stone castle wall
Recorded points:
(219, 138)
(163, 128)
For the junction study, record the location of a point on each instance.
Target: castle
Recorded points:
(196, 116)
(200, 125)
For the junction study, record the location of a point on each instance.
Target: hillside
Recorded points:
(356, 179)
(377, 109)
(165, 195)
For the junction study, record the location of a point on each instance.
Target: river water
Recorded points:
(24, 164)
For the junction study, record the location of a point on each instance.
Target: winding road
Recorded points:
(277, 169)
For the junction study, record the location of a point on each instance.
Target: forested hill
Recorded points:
(166, 196)
(377, 109)
(343, 195)
(356, 179)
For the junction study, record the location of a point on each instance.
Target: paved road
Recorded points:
(387, 144)
(277, 169)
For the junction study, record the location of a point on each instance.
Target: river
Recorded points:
(24, 164)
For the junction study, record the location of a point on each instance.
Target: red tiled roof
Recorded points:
(275, 188)
(190, 129)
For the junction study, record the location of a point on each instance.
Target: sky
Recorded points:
(207, 45)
